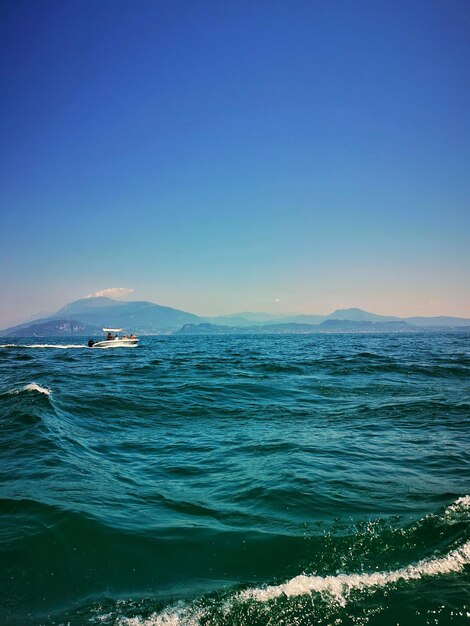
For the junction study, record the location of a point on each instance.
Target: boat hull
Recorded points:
(116, 343)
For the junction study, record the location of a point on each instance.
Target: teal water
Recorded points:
(228, 481)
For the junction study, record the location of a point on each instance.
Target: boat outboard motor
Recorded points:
(91, 343)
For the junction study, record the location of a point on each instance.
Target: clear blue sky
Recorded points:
(225, 156)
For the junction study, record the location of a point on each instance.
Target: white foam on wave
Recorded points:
(31, 387)
(334, 588)
(458, 505)
(173, 617)
(339, 587)
(38, 388)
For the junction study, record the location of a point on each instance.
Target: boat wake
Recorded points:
(43, 345)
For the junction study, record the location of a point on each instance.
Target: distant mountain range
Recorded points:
(89, 315)
(52, 328)
(328, 326)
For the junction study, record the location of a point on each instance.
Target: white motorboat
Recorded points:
(114, 340)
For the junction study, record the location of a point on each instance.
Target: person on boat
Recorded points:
(124, 337)
(132, 336)
(109, 337)
(115, 337)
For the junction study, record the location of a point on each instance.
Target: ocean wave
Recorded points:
(335, 590)
(339, 587)
(31, 387)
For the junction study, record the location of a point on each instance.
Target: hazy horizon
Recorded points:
(282, 158)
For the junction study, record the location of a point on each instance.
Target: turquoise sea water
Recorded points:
(228, 481)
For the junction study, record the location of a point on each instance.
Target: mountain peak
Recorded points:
(359, 315)
(84, 304)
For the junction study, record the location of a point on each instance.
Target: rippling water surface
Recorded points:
(229, 481)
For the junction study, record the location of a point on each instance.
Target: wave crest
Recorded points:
(339, 587)
(333, 589)
(30, 387)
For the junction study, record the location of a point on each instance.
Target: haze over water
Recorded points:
(255, 481)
